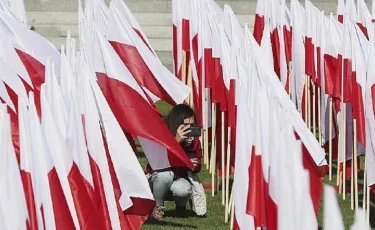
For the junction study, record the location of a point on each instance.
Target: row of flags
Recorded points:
(69, 119)
(323, 65)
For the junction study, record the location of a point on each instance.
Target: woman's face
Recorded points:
(189, 121)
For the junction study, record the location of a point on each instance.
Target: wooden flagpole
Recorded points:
(308, 102)
(205, 132)
(344, 161)
(314, 110)
(352, 181)
(232, 209)
(339, 179)
(330, 138)
(232, 218)
(183, 67)
(364, 206)
(355, 168)
(368, 193)
(213, 134)
(319, 118)
(227, 202)
(213, 149)
(223, 157)
(190, 84)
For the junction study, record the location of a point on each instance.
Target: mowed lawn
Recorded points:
(215, 214)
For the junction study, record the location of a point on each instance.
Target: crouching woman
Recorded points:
(176, 183)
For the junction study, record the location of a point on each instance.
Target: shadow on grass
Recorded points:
(170, 224)
(188, 214)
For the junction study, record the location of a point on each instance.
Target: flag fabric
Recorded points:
(359, 82)
(141, 203)
(49, 193)
(242, 161)
(260, 20)
(181, 35)
(16, 9)
(332, 215)
(298, 53)
(80, 205)
(68, 119)
(13, 208)
(134, 104)
(125, 11)
(100, 167)
(331, 56)
(360, 221)
(370, 113)
(143, 65)
(258, 177)
(27, 168)
(340, 10)
(364, 17)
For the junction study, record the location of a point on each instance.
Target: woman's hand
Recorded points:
(181, 132)
(194, 161)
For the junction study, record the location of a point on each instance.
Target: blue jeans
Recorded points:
(165, 188)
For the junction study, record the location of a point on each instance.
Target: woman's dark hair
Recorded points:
(177, 116)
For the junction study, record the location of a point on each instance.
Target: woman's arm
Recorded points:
(198, 149)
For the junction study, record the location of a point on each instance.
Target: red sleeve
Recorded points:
(148, 169)
(198, 149)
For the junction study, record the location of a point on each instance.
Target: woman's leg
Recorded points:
(181, 192)
(161, 183)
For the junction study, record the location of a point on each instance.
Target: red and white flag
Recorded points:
(13, 209)
(50, 199)
(370, 113)
(181, 34)
(8, 54)
(364, 17)
(115, 79)
(261, 19)
(103, 186)
(141, 203)
(340, 10)
(295, 207)
(298, 53)
(244, 144)
(27, 41)
(81, 207)
(331, 56)
(142, 64)
(359, 83)
(5, 98)
(127, 14)
(28, 172)
(258, 195)
(76, 144)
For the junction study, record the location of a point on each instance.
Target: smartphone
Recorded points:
(195, 131)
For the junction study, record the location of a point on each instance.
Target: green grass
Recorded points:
(213, 220)
(345, 205)
(215, 214)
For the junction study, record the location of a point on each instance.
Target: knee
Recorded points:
(182, 189)
(165, 177)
